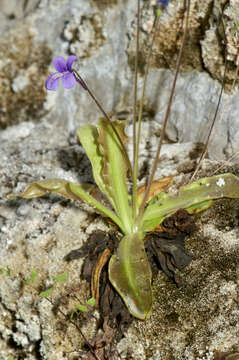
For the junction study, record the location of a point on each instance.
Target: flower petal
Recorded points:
(68, 80)
(70, 61)
(52, 81)
(163, 3)
(60, 64)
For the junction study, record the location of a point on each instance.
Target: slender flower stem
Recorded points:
(155, 164)
(224, 110)
(211, 127)
(215, 115)
(84, 85)
(135, 157)
(155, 25)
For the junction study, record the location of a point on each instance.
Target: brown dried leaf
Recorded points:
(157, 187)
(95, 278)
(166, 248)
(226, 356)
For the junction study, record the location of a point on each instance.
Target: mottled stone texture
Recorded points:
(102, 35)
(23, 69)
(37, 141)
(221, 41)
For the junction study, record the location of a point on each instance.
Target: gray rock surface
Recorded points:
(85, 28)
(37, 141)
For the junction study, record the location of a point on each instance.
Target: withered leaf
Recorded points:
(226, 356)
(167, 246)
(95, 278)
(157, 187)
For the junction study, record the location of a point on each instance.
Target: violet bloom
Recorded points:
(162, 4)
(64, 72)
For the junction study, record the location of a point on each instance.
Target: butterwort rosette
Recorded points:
(64, 72)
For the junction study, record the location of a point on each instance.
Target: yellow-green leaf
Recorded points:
(91, 302)
(73, 191)
(115, 169)
(60, 278)
(46, 293)
(32, 277)
(55, 186)
(197, 195)
(9, 271)
(82, 308)
(130, 274)
(88, 136)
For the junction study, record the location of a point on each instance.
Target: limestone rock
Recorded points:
(221, 41)
(38, 142)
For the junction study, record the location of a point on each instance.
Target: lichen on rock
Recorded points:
(170, 32)
(103, 4)
(209, 41)
(23, 69)
(222, 42)
(84, 34)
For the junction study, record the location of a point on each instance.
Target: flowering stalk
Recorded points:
(135, 153)
(156, 160)
(142, 97)
(84, 85)
(69, 78)
(160, 6)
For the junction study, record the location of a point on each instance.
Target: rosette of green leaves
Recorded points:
(129, 270)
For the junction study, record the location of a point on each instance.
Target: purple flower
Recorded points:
(64, 72)
(162, 4)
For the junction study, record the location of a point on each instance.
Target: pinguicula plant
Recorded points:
(135, 213)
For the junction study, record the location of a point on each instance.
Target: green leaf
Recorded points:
(88, 136)
(196, 208)
(73, 313)
(130, 274)
(82, 308)
(61, 278)
(1, 271)
(91, 302)
(115, 170)
(46, 293)
(198, 194)
(11, 358)
(77, 190)
(32, 278)
(55, 186)
(73, 191)
(8, 271)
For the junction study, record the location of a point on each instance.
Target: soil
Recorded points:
(165, 250)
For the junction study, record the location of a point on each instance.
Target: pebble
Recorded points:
(23, 210)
